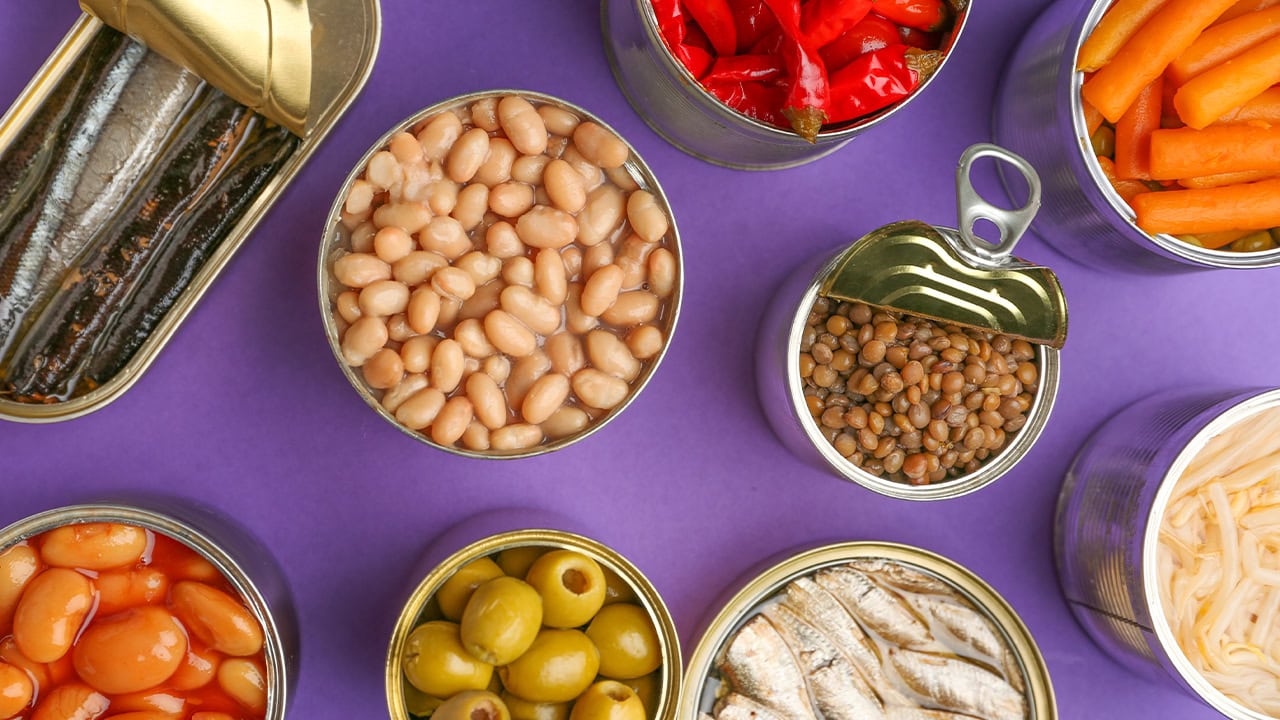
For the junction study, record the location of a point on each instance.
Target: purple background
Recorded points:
(246, 410)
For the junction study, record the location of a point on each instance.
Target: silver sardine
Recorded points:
(758, 663)
(972, 629)
(735, 706)
(959, 686)
(902, 577)
(879, 610)
(839, 691)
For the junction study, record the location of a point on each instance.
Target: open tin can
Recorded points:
(672, 101)
(140, 163)
(1038, 114)
(230, 549)
(926, 272)
(1108, 528)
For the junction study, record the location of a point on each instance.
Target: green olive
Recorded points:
(627, 641)
(571, 585)
(516, 561)
(1104, 141)
(647, 687)
(455, 591)
(501, 620)
(436, 663)
(608, 700)
(556, 668)
(522, 709)
(419, 703)
(616, 589)
(473, 705)
(1254, 242)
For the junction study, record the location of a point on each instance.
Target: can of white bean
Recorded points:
(942, 394)
(675, 104)
(254, 668)
(1161, 543)
(500, 275)
(595, 624)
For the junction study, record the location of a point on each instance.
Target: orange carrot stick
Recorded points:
(1215, 92)
(1212, 181)
(1254, 206)
(1133, 133)
(1262, 110)
(1092, 118)
(1126, 189)
(1244, 7)
(1185, 152)
(1224, 41)
(1164, 37)
(1114, 30)
(1213, 241)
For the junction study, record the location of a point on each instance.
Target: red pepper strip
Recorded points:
(694, 58)
(716, 20)
(752, 20)
(808, 93)
(753, 99)
(770, 43)
(918, 38)
(694, 36)
(926, 15)
(873, 33)
(745, 68)
(670, 21)
(879, 79)
(822, 21)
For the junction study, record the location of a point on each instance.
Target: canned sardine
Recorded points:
(863, 629)
(1164, 543)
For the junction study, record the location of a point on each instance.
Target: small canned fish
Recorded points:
(1159, 536)
(920, 362)
(867, 630)
(517, 619)
(1038, 114)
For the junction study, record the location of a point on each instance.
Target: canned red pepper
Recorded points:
(777, 60)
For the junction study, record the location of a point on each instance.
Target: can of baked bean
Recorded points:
(818, 603)
(221, 554)
(1127, 573)
(1038, 114)
(939, 399)
(555, 555)
(672, 101)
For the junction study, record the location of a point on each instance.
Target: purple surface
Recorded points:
(245, 409)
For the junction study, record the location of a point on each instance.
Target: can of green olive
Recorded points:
(1108, 527)
(239, 557)
(799, 582)
(512, 538)
(672, 101)
(1038, 114)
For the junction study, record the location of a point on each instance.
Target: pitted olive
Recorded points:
(572, 587)
(647, 688)
(454, 592)
(616, 589)
(522, 709)
(436, 663)
(556, 668)
(473, 705)
(627, 641)
(501, 620)
(608, 700)
(516, 561)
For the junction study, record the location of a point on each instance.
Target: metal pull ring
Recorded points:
(972, 207)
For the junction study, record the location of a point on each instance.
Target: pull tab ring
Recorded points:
(972, 207)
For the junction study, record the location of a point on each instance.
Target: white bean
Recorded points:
(497, 367)
(476, 437)
(408, 216)
(392, 244)
(601, 290)
(544, 227)
(384, 298)
(662, 272)
(531, 309)
(445, 235)
(497, 167)
(473, 202)
(633, 259)
(524, 374)
(565, 351)
(485, 299)
(360, 197)
(508, 334)
(544, 397)
(599, 390)
(398, 328)
(365, 337)
(406, 148)
(511, 199)
(446, 366)
(519, 436)
(384, 369)
(362, 238)
(645, 342)
(487, 399)
(565, 187)
(418, 266)
(482, 268)
(572, 257)
(549, 276)
(439, 135)
(467, 155)
(522, 125)
(564, 422)
(558, 120)
(358, 270)
(416, 353)
(420, 409)
(611, 355)
(596, 257)
(519, 271)
(530, 169)
(470, 335)
(423, 311)
(384, 170)
(348, 306)
(442, 196)
(592, 175)
(574, 318)
(409, 386)
(449, 310)
(600, 146)
(502, 241)
(601, 216)
(632, 308)
(484, 114)
(622, 178)
(647, 219)
(453, 282)
(452, 421)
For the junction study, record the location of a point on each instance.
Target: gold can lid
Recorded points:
(955, 276)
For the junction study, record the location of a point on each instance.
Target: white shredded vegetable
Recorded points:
(1219, 561)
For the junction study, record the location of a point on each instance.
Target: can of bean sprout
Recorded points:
(678, 107)
(192, 566)
(813, 603)
(559, 599)
(939, 397)
(1038, 113)
(1125, 503)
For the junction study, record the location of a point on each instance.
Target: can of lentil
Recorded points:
(1108, 527)
(672, 101)
(799, 581)
(913, 262)
(1038, 114)
(239, 557)
(515, 537)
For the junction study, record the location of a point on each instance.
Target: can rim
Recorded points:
(646, 594)
(1039, 692)
(637, 169)
(193, 538)
(1114, 203)
(1042, 404)
(1214, 421)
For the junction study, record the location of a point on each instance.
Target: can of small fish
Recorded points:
(218, 544)
(1038, 114)
(921, 362)
(515, 616)
(1163, 539)
(669, 98)
(867, 629)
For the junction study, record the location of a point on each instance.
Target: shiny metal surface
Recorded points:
(1108, 519)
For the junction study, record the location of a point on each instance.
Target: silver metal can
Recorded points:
(1038, 115)
(251, 571)
(672, 101)
(1108, 522)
